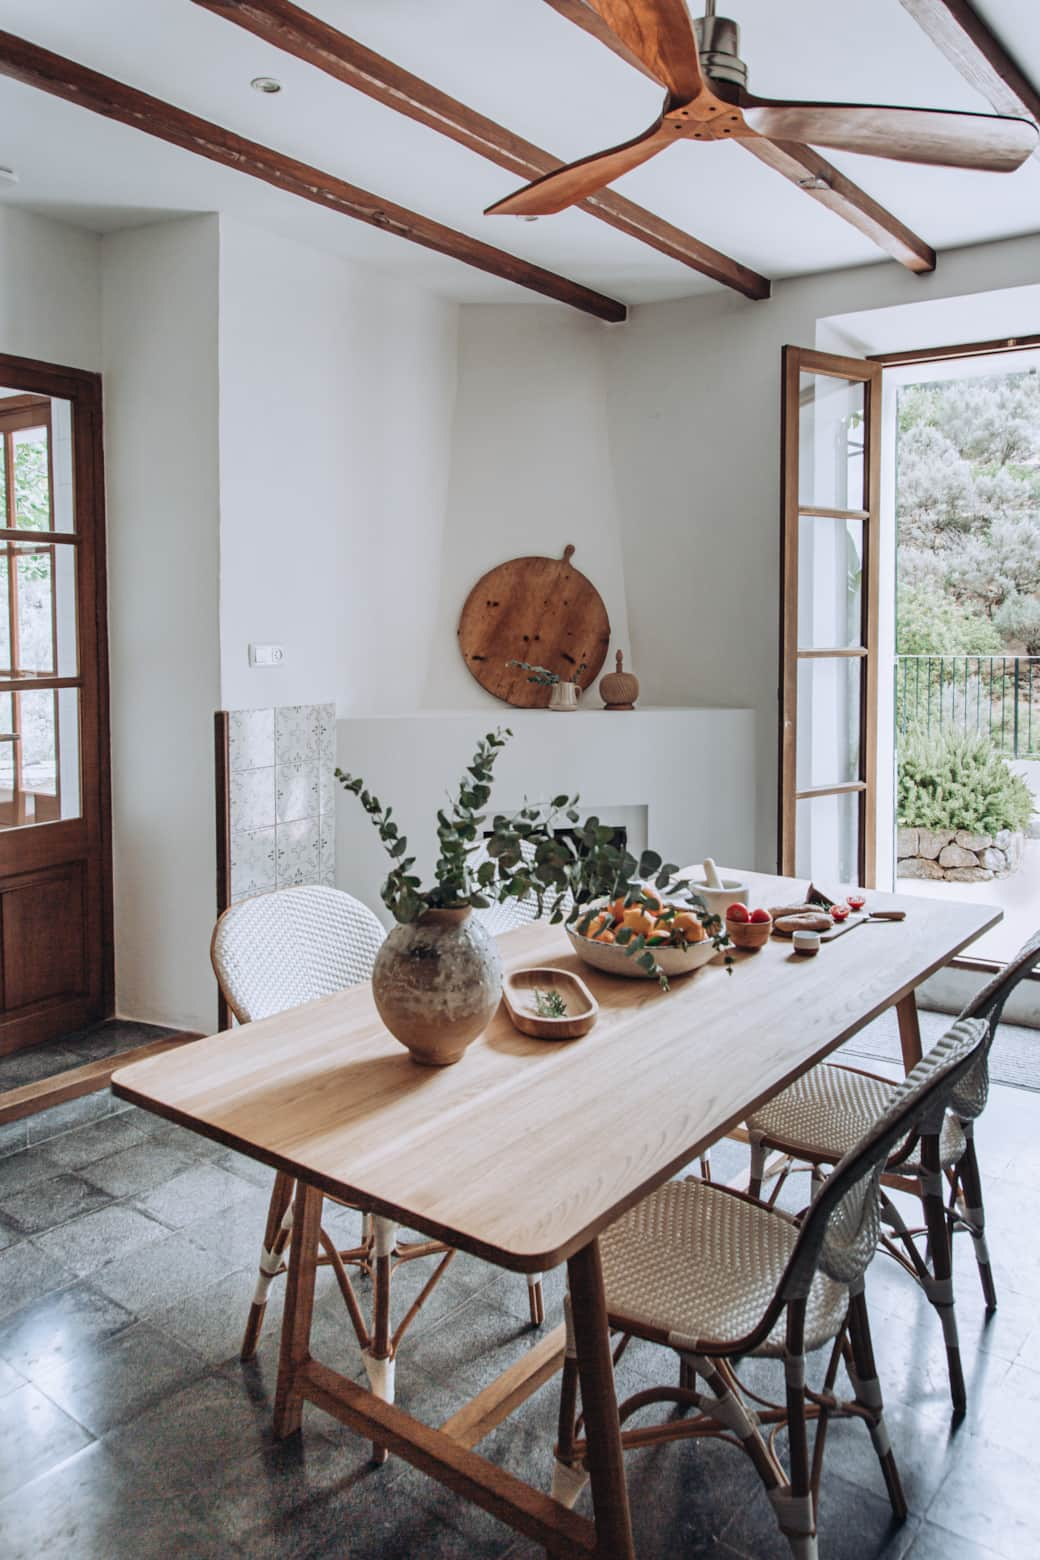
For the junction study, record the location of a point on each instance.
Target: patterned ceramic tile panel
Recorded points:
(282, 797)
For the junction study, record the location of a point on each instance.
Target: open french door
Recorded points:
(829, 617)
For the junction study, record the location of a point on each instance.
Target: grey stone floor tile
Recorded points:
(116, 1035)
(212, 1321)
(37, 1436)
(31, 1065)
(236, 1232)
(194, 1436)
(935, 1543)
(23, 1169)
(162, 1131)
(119, 1378)
(91, 1507)
(8, 1236)
(138, 1169)
(97, 1238)
(60, 1119)
(95, 1141)
(473, 1344)
(45, 1204)
(9, 1378)
(58, 1327)
(989, 1497)
(14, 1135)
(250, 1170)
(26, 1274)
(160, 1274)
(205, 1188)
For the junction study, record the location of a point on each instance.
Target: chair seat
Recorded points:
(828, 1110)
(702, 1265)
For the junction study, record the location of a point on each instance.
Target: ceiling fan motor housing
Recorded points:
(718, 40)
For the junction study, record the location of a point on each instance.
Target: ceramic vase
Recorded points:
(437, 982)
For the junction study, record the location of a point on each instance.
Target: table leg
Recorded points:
(909, 1030)
(604, 1459)
(299, 1306)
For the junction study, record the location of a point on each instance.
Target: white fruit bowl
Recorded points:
(612, 959)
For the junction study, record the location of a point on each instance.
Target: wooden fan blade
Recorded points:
(660, 33)
(555, 191)
(987, 142)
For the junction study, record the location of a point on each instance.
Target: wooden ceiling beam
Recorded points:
(308, 38)
(35, 67)
(800, 165)
(968, 43)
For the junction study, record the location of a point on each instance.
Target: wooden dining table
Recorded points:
(524, 1151)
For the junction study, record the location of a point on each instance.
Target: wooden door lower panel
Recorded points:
(45, 975)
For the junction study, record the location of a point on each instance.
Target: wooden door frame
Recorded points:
(82, 390)
(796, 361)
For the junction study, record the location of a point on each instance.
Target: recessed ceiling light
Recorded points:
(265, 84)
(8, 176)
(526, 216)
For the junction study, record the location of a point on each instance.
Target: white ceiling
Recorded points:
(522, 64)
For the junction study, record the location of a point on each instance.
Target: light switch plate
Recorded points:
(266, 655)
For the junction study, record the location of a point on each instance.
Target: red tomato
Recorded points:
(759, 917)
(738, 912)
(839, 912)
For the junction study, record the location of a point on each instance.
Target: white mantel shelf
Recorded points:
(692, 770)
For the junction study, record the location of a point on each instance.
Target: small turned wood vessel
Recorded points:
(619, 689)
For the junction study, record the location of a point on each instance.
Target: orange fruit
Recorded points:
(605, 936)
(600, 924)
(639, 920)
(688, 926)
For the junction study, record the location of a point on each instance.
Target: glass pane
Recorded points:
(830, 583)
(827, 739)
(44, 609)
(39, 757)
(827, 836)
(830, 442)
(32, 479)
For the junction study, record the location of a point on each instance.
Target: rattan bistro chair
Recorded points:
(817, 1118)
(713, 1275)
(271, 953)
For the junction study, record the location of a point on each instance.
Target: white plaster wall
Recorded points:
(530, 471)
(336, 398)
(161, 409)
(50, 290)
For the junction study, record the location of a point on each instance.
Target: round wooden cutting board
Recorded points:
(540, 610)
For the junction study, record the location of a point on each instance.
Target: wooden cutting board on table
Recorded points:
(540, 610)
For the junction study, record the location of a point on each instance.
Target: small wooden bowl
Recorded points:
(582, 1007)
(749, 934)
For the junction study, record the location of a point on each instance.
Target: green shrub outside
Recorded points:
(951, 779)
(928, 622)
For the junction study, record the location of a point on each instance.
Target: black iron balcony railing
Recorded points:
(995, 695)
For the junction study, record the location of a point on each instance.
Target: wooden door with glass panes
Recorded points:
(828, 617)
(55, 874)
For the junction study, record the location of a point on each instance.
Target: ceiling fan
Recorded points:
(696, 60)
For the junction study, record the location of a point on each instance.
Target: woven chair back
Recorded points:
(840, 1231)
(279, 950)
(970, 1096)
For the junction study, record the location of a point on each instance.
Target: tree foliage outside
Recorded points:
(952, 779)
(968, 514)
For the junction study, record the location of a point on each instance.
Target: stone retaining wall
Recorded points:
(958, 856)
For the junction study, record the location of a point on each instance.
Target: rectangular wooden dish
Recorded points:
(582, 1007)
